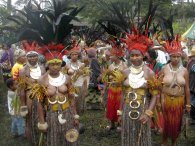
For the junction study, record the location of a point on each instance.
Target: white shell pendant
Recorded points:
(61, 120)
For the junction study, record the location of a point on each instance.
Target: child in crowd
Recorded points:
(17, 125)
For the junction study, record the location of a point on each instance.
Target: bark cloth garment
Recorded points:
(26, 82)
(132, 128)
(135, 101)
(59, 112)
(56, 131)
(173, 101)
(32, 116)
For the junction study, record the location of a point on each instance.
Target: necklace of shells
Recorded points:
(136, 76)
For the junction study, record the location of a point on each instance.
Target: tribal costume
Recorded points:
(77, 72)
(174, 92)
(136, 100)
(58, 102)
(53, 90)
(29, 76)
(114, 82)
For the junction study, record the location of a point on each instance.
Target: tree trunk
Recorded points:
(9, 4)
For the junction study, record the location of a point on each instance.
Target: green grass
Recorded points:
(94, 135)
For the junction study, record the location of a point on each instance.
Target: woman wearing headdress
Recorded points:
(75, 68)
(175, 92)
(28, 76)
(113, 79)
(137, 103)
(56, 99)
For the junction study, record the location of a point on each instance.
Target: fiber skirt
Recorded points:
(56, 131)
(113, 103)
(172, 113)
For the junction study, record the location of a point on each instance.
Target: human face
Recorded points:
(175, 59)
(136, 57)
(54, 68)
(14, 86)
(113, 58)
(74, 56)
(22, 59)
(32, 59)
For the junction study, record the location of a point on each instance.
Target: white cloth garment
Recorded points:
(10, 97)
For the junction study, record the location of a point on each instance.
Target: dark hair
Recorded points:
(9, 82)
(153, 54)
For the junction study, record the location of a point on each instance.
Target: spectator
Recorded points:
(17, 125)
(6, 61)
(20, 60)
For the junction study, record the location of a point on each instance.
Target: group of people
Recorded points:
(139, 92)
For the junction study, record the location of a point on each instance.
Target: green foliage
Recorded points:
(3, 15)
(181, 27)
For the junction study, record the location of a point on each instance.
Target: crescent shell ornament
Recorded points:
(61, 120)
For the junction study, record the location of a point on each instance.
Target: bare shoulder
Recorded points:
(148, 73)
(23, 71)
(68, 79)
(185, 71)
(67, 65)
(42, 80)
(42, 67)
(126, 72)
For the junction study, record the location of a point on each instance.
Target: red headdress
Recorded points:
(54, 52)
(138, 41)
(30, 47)
(173, 46)
(75, 49)
(117, 49)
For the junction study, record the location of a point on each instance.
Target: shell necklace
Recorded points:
(60, 80)
(74, 66)
(136, 77)
(35, 72)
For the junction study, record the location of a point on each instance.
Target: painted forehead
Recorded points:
(32, 55)
(176, 55)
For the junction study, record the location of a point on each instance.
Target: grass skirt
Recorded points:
(56, 131)
(172, 113)
(113, 103)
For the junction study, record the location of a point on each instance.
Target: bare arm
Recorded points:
(40, 108)
(187, 90)
(71, 96)
(22, 92)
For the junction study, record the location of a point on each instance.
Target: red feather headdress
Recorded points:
(30, 47)
(138, 41)
(53, 51)
(117, 49)
(173, 46)
(75, 49)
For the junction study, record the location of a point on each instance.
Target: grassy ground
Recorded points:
(94, 135)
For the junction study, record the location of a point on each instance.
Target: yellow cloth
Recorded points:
(63, 106)
(15, 70)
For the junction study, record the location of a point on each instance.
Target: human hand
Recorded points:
(76, 122)
(188, 108)
(42, 126)
(143, 119)
(119, 119)
(23, 111)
